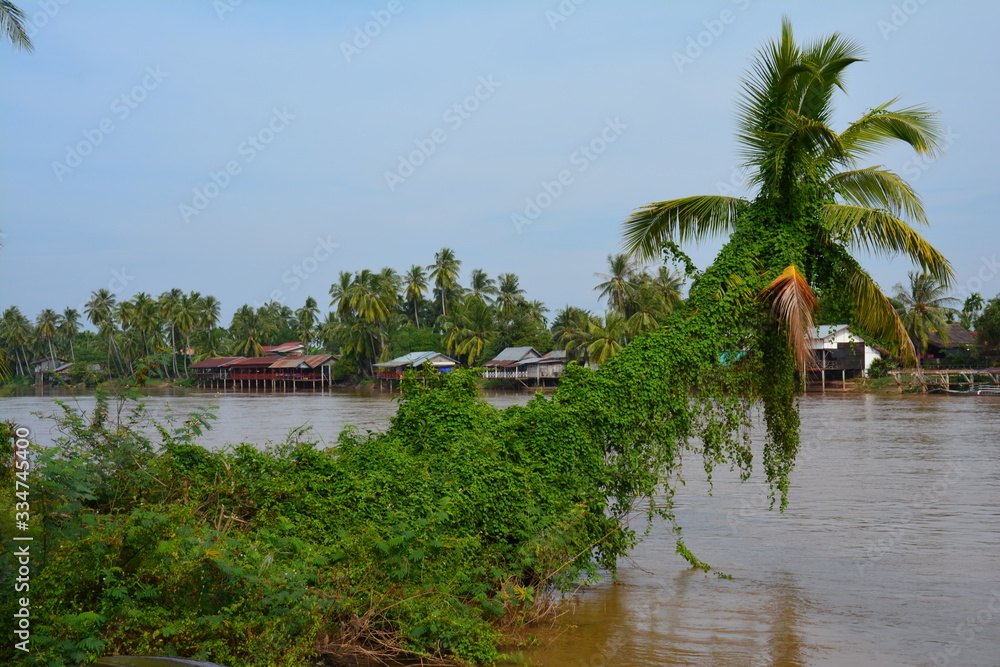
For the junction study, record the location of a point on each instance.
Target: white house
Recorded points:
(842, 351)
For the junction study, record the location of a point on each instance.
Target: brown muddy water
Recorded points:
(888, 554)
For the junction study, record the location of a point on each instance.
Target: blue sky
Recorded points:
(253, 149)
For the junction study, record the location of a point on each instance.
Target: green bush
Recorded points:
(427, 540)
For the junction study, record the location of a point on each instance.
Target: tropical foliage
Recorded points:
(924, 309)
(988, 324)
(373, 316)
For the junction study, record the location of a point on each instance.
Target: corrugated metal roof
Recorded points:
(553, 357)
(418, 358)
(259, 362)
(516, 354)
(289, 362)
(283, 348)
(215, 362)
(317, 360)
(308, 361)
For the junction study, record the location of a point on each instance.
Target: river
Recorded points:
(888, 554)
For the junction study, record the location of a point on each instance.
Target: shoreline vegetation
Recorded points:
(442, 538)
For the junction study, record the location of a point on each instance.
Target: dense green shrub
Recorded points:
(428, 539)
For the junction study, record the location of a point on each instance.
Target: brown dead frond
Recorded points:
(792, 305)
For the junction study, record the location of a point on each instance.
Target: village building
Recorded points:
(526, 365)
(48, 368)
(394, 369)
(213, 372)
(959, 344)
(840, 354)
(504, 365)
(270, 372)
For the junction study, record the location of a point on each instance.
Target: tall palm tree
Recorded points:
(571, 331)
(482, 287)
(170, 303)
(46, 327)
(415, 284)
(925, 308)
(306, 321)
(330, 332)
(12, 20)
(607, 338)
(813, 200)
(535, 310)
(146, 319)
(476, 329)
(668, 284)
(210, 312)
(618, 286)
(338, 294)
(509, 296)
(17, 333)
(444, 271)
(970, 310)
(248, 328)
(100, 311)
(69, 327)
(186, 317)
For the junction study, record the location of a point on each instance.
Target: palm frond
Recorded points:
(12, 21)
(881, 233)
(916, 126)
(683, 220)
(790, 149)
(879, 188)
(875, 314)
(793, 304)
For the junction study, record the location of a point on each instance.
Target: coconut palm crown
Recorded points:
(809, 183)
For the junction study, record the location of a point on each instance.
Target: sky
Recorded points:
(253, 149)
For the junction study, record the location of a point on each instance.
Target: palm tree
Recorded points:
(248, 328)
(617, 285)
(210, 312)
(925, 309)
(970, 310)
(481, 286)
(46, 327)
(331, 333)
(100, 312)
(146, 319)
(338, 292)
(169, 305)
(669, 285)
(306, 321)
(476, 329)
(535, 310)
(17, 333)
(12, 20)
(607, 338)
(444, 271)
(69, 327)
(814, 204)
(571, 331)
(509, 296)
(415, 284)
(186, 317)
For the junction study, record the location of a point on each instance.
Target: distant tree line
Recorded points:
(372, 316)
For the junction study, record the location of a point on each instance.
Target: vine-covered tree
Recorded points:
(740, 337)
